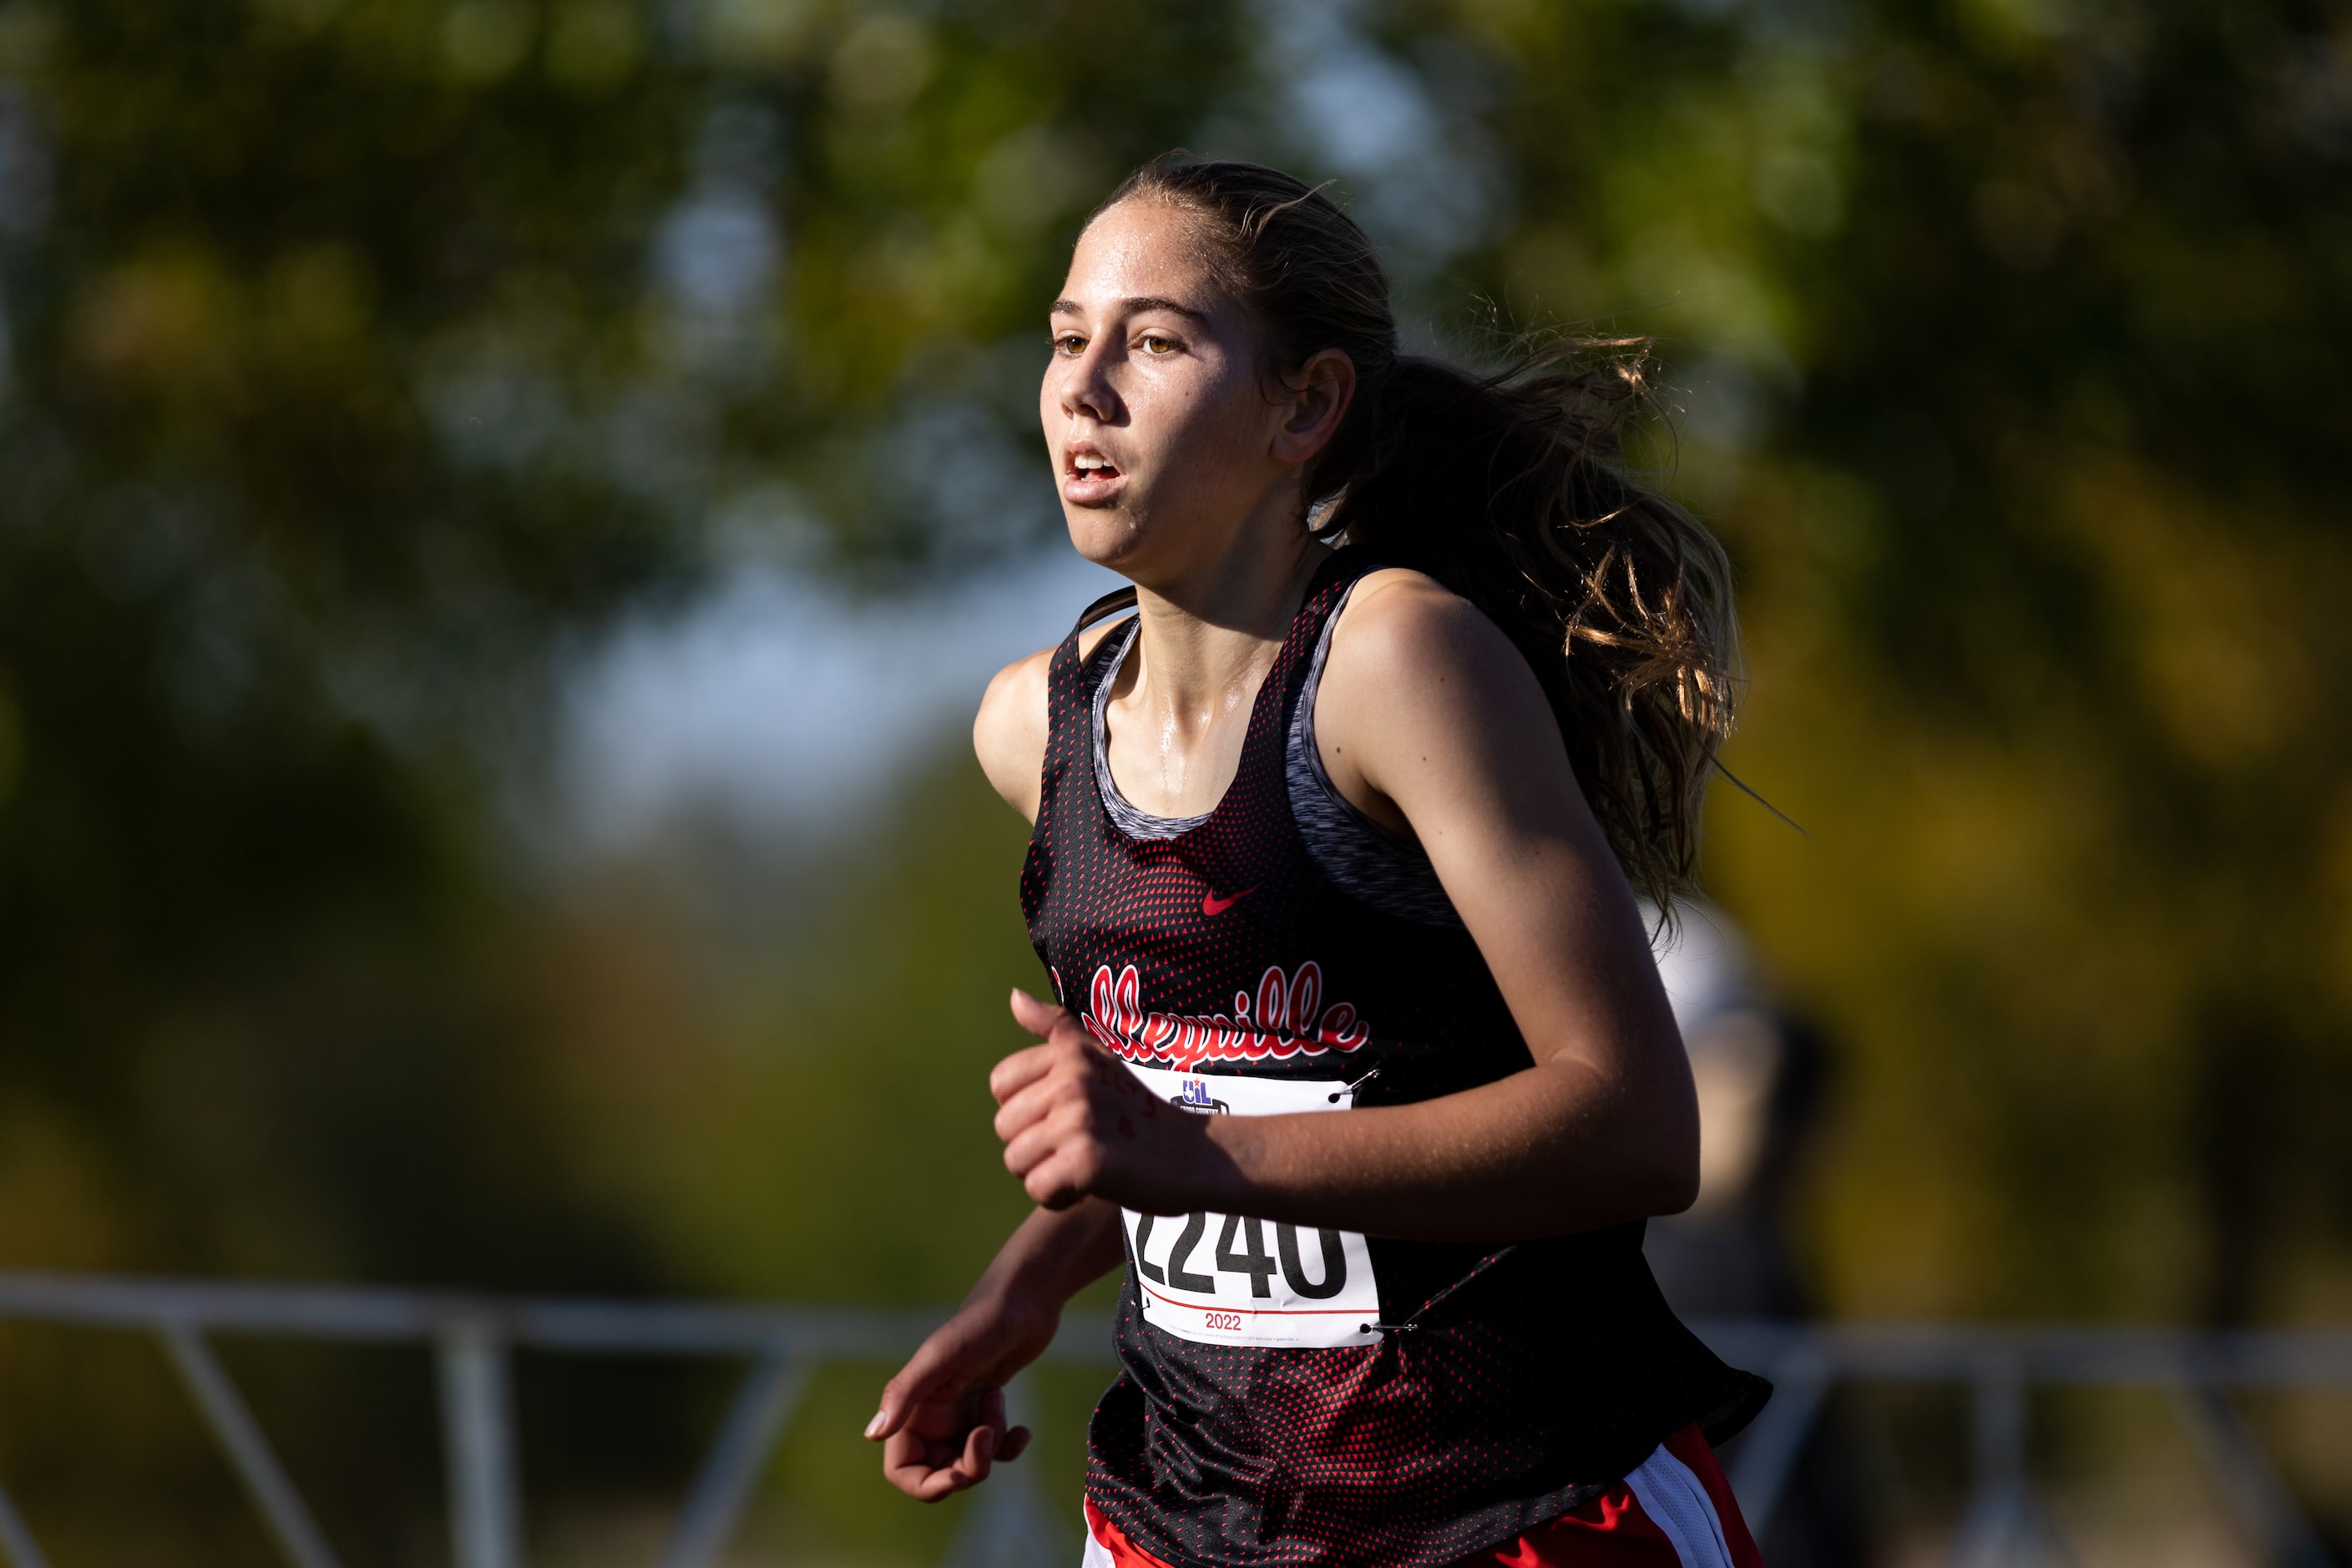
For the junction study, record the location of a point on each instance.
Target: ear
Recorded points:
(1312, 404)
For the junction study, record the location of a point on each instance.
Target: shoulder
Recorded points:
(1403, 629)
(1416, 672)
(1010, 731)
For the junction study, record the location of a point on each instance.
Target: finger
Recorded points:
(1058, 1182)
(1065, 1141)
(1016, 1443)
(977, 1459)
(1031, 1106)
(929, 1483)
(1022, 1069)
(912, 1467)
(991, 1412)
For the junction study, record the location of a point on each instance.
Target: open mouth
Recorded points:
(1089, 478)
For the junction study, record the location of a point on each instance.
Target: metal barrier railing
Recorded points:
(2003, 1522)
(473, 1338)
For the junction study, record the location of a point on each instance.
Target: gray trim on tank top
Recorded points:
(1132, 820)
(1364, 859)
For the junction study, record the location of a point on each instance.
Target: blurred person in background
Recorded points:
(1757, 1073)
(1760, 1072)
(1307, 839)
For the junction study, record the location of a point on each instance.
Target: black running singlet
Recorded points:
(1266, 1413)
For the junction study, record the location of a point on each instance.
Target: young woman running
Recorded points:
(1360, 1062)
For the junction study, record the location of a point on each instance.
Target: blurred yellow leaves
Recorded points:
(881, 64)
(1036, 175)
(27, 29)
(760, 32)
(2060, 176)
(2207, 592)
(179, 322)
(11, 743)
(1800, 192)
(318, 300)
(593, 44)
(61, 1205)
(168, 320)
(482, 40)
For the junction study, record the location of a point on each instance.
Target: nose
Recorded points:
(1084, 387)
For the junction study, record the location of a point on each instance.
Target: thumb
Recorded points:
(915, 1382)
(1034, 1015)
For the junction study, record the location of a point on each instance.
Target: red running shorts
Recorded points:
(1674, 1511)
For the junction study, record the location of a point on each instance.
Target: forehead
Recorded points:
(1141, 249)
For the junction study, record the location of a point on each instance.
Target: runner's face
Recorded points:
(1160, 432)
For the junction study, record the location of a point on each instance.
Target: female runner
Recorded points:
(1360, 1061)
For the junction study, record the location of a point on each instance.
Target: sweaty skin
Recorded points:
(1181, 465)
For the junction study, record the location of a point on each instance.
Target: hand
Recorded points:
(1077, 1124)
(942, 1425)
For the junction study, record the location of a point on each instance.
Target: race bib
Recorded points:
(1224, 1279)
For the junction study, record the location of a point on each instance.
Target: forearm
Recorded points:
(1053, 1255)
(1550, 1150)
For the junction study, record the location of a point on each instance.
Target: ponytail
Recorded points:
(1510, 489)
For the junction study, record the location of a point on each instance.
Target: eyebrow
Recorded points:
(1135, 307)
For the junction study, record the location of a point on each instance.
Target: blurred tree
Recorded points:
(358, 355)
(2006, 327)
(355, 356)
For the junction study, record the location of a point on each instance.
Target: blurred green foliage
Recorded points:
(360, 359)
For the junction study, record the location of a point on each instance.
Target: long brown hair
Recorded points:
(1510, 488)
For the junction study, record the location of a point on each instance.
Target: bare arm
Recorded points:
(942, 1423)
(1009, 734)
(1430, 719)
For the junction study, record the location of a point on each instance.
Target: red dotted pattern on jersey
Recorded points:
(1530, 1380)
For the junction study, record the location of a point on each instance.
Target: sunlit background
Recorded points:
(505, 508)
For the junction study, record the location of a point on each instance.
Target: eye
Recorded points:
(1069, 345)
(1158, 345)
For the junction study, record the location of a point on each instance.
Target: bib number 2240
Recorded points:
(1236, 1280)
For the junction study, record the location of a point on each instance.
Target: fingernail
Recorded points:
(874, 1428)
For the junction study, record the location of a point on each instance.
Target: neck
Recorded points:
(1210, 631)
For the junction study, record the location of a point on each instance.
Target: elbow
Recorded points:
(1649, 1175)
(1676, 1186)
(1671, 1172)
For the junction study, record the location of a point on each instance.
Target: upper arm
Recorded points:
(1009, 734)
(1427, 708)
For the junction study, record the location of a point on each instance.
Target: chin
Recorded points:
(1107, 536)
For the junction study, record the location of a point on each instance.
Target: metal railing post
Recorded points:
(477, 1430)
(1769, 1449)
(2003, 1523)
(225, 1411)
(2264, 1505)
(1006, 1527)
(16, 1538)
(770, 1390)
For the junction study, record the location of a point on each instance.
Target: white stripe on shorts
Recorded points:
(1677, 1503)
(1097, 1556)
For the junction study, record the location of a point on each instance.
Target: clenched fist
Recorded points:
(1076, 1124)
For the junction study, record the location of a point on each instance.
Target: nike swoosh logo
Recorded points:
(1213, 905)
